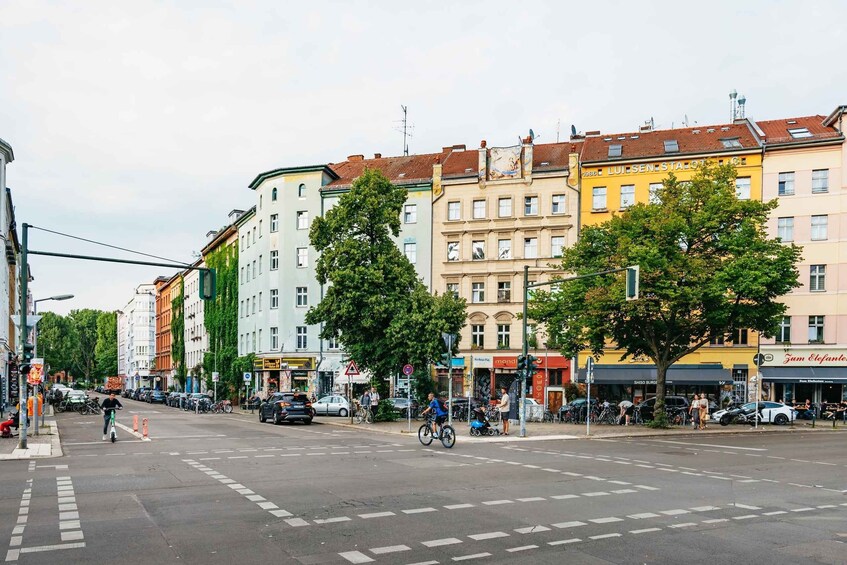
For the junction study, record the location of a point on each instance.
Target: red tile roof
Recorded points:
(701, 139)
(776, 131)
(545, 157)
(409, 169)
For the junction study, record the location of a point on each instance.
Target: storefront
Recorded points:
(801, 373)
(285, 373)
(442, 377)
(329, 370)
(638, 382)
(548, 383)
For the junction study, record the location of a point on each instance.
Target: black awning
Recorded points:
(800, 375)
(711, 374)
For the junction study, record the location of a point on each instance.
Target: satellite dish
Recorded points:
(573, 130)
(531, 134)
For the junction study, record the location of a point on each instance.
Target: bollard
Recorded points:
(144, 428)
(135, 423)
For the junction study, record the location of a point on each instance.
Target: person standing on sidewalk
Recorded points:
(694, 412)
(374, 400)
(504, 407)
(704, 411)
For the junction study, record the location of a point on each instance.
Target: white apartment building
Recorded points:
(140, 341)
(123, 336)
(196, 339)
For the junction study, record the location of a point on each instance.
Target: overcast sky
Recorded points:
(142, 123)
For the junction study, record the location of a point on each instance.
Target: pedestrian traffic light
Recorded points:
(28, 352)
(633, 274)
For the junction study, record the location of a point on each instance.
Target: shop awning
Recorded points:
(711, 374)
(329, 365)
(801, 375)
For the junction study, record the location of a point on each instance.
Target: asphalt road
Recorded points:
(226, 489)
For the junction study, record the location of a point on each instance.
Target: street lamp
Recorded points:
(35, 351)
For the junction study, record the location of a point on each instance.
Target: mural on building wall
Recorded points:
(504, 163)
(483, 387)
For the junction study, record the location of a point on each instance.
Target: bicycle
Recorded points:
(607, 416)
(677, 416)
(364, 415)
(548, 417)
(224, 406)
(446, 434)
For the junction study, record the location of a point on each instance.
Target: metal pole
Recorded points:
(409, 409)
(450, 382)
(522, 377)
(24, 279)
(588, 406)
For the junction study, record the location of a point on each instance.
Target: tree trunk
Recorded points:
(661, 373)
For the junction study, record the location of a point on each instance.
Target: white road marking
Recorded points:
(746, 506)
(419, 510)
(474, 556)
(333, 521)
(355, 557)
(564, 541)
(573, 524)
(532, 529)
(716, 521)
(675, 512)
(608, 520)
(522, 548)
(774, 513)
(643, 515)
(709, 445)
(376, 515)
(704, 508)
(645, 530)
(390, 549)
(530, 499)
(458, 506)
(605, 536)
(497, 502)
(488, 535)
(564, 496)
(685, 525)
(440, 542)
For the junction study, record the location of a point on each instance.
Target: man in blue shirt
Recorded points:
(440, 411)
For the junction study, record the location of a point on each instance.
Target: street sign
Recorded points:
(352, 370)
(408, 369)
(589, 370)
(759, 359)
(248, 377)
(216, 377)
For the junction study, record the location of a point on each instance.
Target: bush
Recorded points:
(659, 421)
(385, 412)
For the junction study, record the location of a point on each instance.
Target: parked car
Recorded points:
(172, 398)
(576, 408)
(646, 407)
(145, 395)
(286, 407)
(195, 397)
(401, 405)
(331, 406)
(771, 412)
(157, 397)
(127, 393)
(139, 392)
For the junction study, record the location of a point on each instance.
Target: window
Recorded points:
(504, 207)
(301, 191)
(783, 335)
(242, 275)
(302, 294)
(260, 202)
(254, 304)
(817, 278)
(302, 220)
(717, 340)
(557, 244)
(503, 331)
(274, 260)
(254, 235)
(411, 252)
(820, 181)
(260, 228)
(615, 150)
(477, 292)
(478, 209)
(530, 247)
(504, 291)
(453, 210)
(274, 223)
(799, 133)
(302, 257)
(261, 260)
(598, 198)
(247, 307)
(302, 342)
(671, 146)
(731, 143)
(274, 298)
(453, 251)
(254, 342)
(453, 288)
(627, 195)
(816, 329)
(504, 248)
(742, 188)
(558, 204)
(786, 184)
(273, 194)
(740, 337)
(242, 243)
(410, 214)
(530, 206)
(785, 229)
(478, 250)
(332, 343)
(819, 227)
(274, 337)
(654, 189)
(254, 270)
(241, 309)
(478, 336)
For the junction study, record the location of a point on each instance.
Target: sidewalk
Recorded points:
(44, 445)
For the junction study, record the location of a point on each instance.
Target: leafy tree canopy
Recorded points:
(707, 269)
(106, 350)
(375, 304)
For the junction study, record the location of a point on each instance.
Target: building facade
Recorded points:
(8, 285)
(196, 339)
(140, 342)
(620, 170)
(167, 288)
(496, 210)
(803, 170)
(122, 324)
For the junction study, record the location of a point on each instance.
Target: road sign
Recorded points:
(759, 359)
(589, 370)
(352, 370)
(216, 377)
(248, 377)
(408, 369)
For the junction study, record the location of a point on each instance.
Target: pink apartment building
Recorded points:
(803, 168)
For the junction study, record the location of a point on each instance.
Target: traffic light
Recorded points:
(208, 284)
(522, 365)
(28, 352)
(532, 363)
(446, 359)
(633, 274)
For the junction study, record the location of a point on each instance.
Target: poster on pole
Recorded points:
(36, 372)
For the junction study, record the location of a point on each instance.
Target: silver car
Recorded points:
(331, 406)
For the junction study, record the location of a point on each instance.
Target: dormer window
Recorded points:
(731, 143)
(615, 150)
(799, 133)
(671, 146)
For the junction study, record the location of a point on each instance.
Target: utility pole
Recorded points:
(23, 413)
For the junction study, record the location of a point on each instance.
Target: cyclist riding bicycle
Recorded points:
(109, 405)
(437, 407)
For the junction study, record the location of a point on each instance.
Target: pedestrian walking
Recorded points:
(694, 412)
(704, 411)
(505, 404)
(374, 400)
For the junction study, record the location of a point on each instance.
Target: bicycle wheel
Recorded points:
(360, 416)
(228, 408)
(369, 416)
(425, 434)
(448, 436)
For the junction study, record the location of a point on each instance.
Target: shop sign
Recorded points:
(505, 362)
(660, 167)
(305, 363)
(482, 361)
(805, 357)
(271, 363)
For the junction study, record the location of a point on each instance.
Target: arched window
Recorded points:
(301, 191)
(273, 194)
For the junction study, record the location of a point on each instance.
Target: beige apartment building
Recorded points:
(495, 210)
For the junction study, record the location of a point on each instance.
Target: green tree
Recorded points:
(83, 323)
(178, 334)
(106, 350)
(707, 269)
(56, 342)
(221, 319)
(374, 302)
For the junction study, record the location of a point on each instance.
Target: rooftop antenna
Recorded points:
(558, 128)
(732, 96)
(685, 121)
(405, 129)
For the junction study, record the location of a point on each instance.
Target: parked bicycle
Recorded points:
(445, 433)
(364, 414)
(222, 406)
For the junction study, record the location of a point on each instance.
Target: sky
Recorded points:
(141, 124)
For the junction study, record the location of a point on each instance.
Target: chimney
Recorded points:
(355, 157)
(377, 155)
(483, 144)
(595, 133)
(460, 147)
